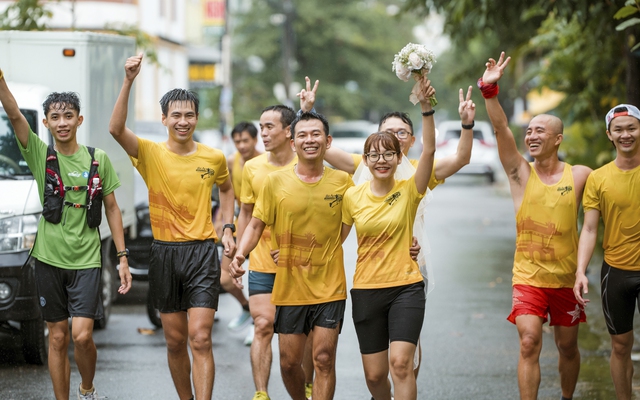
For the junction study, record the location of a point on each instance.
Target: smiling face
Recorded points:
(394, 125)
(310, 141)
(274, 135)
(382, 155)
(181, 121)
(624, 132)
(543, 136)
(63, 121)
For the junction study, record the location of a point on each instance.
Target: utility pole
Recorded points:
(288, 47)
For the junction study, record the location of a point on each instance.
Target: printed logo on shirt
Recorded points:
(206, 172)
(333, 199)
(85, 174)
(564, 190)
(393, 198)
(75, 174)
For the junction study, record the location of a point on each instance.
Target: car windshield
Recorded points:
(350, 134)
(12, 164)
(455, 134)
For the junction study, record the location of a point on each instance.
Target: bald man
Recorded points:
(546, 196)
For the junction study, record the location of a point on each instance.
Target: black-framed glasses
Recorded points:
(402, 134)
(387, 155)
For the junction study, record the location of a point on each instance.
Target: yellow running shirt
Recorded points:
(547, 233)
(433, 182)
(180, 189)
(384, 226)
(236, 175)
(254, 173)
(306, 220)
(616, 194)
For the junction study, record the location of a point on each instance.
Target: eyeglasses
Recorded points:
(401, 134)
(387, 155)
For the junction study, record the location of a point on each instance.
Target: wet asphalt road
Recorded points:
(469, 349)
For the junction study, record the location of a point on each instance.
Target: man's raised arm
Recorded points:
(18, 121)
(117, 125)
(514, 164)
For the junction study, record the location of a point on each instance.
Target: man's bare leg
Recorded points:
(566, 338)
(176, 332)
(263, 313)
(84, 350)
(621, 364)
(291, 353)
(307, 362)
(59, 366)
(200, 325)
(325, 345)
(530, 332)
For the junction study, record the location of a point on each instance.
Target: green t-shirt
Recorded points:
(71, 244)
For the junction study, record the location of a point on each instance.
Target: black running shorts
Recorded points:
(388, 315)
(65, 293)
(620, 292)
(302, 319)
(184, 275)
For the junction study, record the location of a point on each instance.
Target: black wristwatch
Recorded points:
(123, 253)
(230, 226)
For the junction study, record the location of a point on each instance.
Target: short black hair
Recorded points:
(397, 114)
(176, 95)
(245, 126)
(287, 114)
(62, 99)
(306, 116)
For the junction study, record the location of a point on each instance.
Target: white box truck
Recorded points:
(36, 64)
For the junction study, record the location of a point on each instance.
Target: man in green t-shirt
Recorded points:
(67, 254)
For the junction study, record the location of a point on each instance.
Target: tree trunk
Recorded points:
(633, 68)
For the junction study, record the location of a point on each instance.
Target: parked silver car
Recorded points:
(351, 135)
(484, 154)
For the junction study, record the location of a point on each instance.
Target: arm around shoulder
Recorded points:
(340, 159)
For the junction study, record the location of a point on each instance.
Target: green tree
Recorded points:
(348, 46)
(572, 46)
(25, 15)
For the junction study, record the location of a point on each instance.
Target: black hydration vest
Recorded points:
(54, 191)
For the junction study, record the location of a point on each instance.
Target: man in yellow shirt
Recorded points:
(546, 196)
(245, 139)
(613, 191)
(302, 205)
(184, 272)
(275, 130)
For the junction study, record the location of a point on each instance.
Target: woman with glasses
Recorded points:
(388, 295)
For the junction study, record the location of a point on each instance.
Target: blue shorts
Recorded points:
(260, 282)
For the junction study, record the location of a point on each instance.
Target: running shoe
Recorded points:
(308, 390)
(249, 339)
(240, 322)
(261, 396)
(88, 396)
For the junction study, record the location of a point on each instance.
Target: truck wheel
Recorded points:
(153, 313)
(35, 341)
(109, 287)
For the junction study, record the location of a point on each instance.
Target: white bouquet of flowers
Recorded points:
(414, 60)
